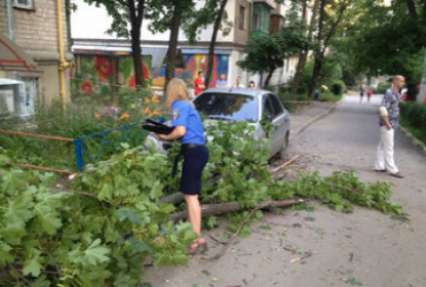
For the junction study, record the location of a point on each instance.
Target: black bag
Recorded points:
(156, 127)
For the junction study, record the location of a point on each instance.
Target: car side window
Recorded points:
(268, 112)
(276, 105)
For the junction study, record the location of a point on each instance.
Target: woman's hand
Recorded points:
(177, 133)
(161, 137)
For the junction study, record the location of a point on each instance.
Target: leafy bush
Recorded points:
(98, 235)
(382, 88)
(329, 97)
(338, 88)
(103, 128)
(413, 115)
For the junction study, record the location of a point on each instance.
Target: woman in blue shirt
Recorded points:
(189, 129)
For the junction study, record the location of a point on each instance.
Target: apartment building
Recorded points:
(98, 54)
(30, 55)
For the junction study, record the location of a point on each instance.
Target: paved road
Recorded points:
(324, 248)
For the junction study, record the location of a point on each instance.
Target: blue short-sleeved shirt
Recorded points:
(391, 101)
(185, 114)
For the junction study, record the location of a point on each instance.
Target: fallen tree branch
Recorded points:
(285, 164)
(222, 208)
(173, 198)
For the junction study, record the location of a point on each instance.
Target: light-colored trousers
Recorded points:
(384, 158)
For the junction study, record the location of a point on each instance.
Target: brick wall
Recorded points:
(36, 30)
(3, 18)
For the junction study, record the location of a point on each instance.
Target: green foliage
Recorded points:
(382, 87)
(231, 149)
(386, 39)
(111, 220)
(327, 96)
(338, 88)
(98, 235)
(267, 52)
(339, 191)
(413, 116)
(82, 117)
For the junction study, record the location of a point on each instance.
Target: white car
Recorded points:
(254, 106)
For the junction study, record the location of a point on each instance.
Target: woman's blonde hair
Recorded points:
(176, 90)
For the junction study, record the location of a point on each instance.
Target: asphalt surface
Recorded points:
(322, 248)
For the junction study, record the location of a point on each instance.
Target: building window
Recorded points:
(24, 4)
(242, 19)
(261, 17)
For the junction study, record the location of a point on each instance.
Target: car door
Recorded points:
(279, 123)
(273, 115)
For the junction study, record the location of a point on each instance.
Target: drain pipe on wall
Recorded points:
(63, 63)
(10, 24)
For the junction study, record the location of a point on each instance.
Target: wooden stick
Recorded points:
(43, 168)
(33, 135)
(287, 163)
(222, 208)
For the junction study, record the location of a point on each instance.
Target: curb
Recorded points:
(315, 119)
(415, 141)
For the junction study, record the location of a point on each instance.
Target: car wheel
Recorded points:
(283, 151)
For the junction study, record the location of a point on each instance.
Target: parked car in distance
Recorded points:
(258, 108)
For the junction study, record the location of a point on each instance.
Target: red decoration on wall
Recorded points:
(86, 87)
(103, 68)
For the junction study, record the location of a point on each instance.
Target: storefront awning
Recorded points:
(13, 58)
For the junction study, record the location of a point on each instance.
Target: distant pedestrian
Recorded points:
(369, 94)
(389, 121)
(199, 83)
(361, 93)
(317, 95)
(222, 82)
(252, 85)
(238, 83)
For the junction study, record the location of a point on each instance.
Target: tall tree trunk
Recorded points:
(411, 5)
(268, 78)
(173, 42)
(304, 54)
(212, 44)
(318, 50)
(136, 11)
(424, 9)
(324, 40)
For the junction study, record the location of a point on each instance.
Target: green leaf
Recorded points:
(96, 253)
(32, 267)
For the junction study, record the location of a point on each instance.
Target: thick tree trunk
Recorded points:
(212, 44)
(268, 78)
(411, 5)
(137, 57)
(136, 11)
(323, 41)
(303, 56)
(318, 51)
(316, 73)
(173, 42)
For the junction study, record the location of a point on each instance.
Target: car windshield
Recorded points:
(226, 106)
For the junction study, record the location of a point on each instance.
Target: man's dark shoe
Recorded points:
(397, 175)
(380, 170)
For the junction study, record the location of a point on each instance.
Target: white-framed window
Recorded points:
(24, 4)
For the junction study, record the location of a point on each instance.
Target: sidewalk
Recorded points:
(308, 114)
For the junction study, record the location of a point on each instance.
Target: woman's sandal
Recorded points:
(198, 246)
